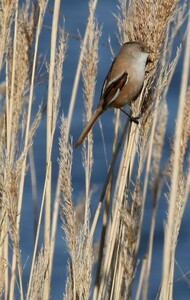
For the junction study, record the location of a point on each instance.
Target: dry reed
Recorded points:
(139, 177)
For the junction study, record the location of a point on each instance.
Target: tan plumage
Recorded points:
(123, 83)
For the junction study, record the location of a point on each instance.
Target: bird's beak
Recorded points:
(149, 50)
(149, 60)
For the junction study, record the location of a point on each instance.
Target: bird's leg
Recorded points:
(132, 119)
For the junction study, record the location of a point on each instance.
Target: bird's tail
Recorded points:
(89, 126)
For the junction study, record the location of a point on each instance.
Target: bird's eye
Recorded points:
(141, 49)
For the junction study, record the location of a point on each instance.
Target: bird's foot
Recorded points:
(135, 119)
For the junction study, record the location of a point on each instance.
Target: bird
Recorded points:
(123, 83)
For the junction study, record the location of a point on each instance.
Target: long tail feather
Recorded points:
(89, 126)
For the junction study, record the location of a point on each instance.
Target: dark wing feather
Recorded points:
(107, 78)
(113, 90)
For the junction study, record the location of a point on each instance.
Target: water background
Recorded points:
(75, 15)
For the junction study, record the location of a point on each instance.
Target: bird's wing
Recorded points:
(112, 91)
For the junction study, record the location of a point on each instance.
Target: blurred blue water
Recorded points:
(75, 14)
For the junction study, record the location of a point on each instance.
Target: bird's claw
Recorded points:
(135, 119)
